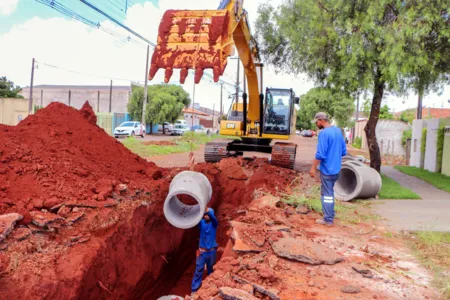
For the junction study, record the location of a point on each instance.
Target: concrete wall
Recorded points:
(446, 154)
(13, 110)
(416, 141)
(430, 161)
(75, 96)
(389, 136)
(389, 132)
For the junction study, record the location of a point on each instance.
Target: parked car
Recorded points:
(297, 132)
(307, 133)
(167, 128)
(130, 128)
(179, 129)
(200, 129)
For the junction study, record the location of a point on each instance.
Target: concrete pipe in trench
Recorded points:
(357, 181)
(193, 184)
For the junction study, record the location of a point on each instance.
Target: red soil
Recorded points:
(120, 245)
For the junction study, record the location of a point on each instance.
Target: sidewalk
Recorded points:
(430, 213)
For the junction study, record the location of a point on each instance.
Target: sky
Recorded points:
(70, 52)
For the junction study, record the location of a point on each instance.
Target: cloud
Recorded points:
(89, 51)
(7, 7)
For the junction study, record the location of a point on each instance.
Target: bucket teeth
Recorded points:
(198, 75)
(189, 39)
(183, 74)
(168, 74)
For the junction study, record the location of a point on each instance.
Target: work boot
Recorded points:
(323, 222)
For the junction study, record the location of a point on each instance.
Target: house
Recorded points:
(196, 117)
(428, 113)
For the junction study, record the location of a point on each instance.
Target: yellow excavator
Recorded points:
(204, 39)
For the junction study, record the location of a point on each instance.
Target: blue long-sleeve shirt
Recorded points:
(330, 149)
(208, 231)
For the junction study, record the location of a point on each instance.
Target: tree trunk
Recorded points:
(151, 127)
(420, 93)
(374, 149)
(164, 129)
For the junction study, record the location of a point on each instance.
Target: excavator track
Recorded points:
(283, 155)
(218, 149)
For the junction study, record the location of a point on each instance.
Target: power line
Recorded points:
(61, 8)
(83, 74)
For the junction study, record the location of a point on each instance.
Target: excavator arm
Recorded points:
(204, 39)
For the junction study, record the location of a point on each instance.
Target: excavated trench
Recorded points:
(146, 257)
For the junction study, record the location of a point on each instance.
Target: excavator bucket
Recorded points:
(191, 39)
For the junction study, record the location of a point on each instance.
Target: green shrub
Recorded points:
(407, 134)
(423, 145)
(357, 142)
(440, 147)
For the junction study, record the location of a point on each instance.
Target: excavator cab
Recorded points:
(279, 112)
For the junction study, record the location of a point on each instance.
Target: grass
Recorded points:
(391, 189)
(438, 180)
(433, 249)
(186, 143)
(346, 212)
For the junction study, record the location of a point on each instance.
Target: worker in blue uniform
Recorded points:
(331, 148)
(207, 247)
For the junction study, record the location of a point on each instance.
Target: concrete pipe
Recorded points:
(357, 181)
(197, 188)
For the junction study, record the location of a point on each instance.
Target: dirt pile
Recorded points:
(59, 155)
(93, 223)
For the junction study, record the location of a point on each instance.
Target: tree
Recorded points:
(336, 104)
(165, 103)
(407, 116)
(348, 45)
(8, 90)
(384, 110)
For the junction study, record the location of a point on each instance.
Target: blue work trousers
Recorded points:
(205, 258)
(327, 196)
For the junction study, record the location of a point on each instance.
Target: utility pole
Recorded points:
(193, 101)
(110, 96)
(214, 115)
(42, 98)
(98, 101)
(70, 96)
(144, 102)
(221, 96)
(30, 101)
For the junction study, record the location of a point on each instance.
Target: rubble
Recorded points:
(43, 219)
(350, 289)
(303, 250)
(7, 223)
(235, 294)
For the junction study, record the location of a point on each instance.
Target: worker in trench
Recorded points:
(330, 150)
(206, 254)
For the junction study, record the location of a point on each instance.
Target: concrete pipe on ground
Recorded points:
(357, 181)
(189, 194)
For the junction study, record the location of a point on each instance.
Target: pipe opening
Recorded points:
(187, 199)
(346, 183)
(184, 209)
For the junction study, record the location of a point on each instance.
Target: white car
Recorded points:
(130, 128)
(200, 129)
(179, 129)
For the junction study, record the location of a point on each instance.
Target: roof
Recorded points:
(429, 112)
(86, 87)
(194, 112)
